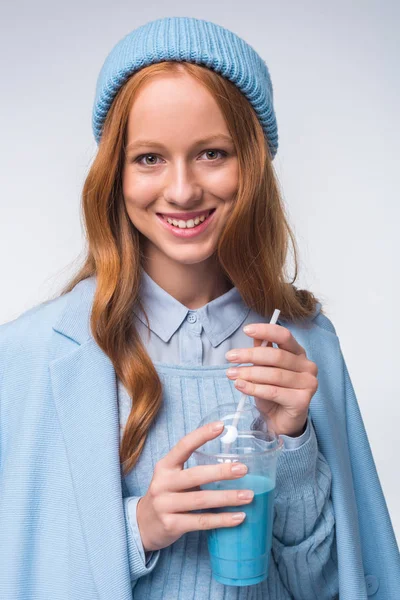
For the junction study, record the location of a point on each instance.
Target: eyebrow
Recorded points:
(201, 142)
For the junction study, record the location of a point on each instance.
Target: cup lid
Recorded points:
(246, 433)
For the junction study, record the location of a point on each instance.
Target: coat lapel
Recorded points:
(85, 393)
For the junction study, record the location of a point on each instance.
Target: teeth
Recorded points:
(187, 224)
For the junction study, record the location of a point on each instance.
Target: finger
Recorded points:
(204, 521)
(182, 451)
(297, 400)
(201, 474)
(275, 376)
(278, 334)
(205, 499)
(272, 357)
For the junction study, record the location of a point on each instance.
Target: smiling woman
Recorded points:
(103, 387)
(200, 112)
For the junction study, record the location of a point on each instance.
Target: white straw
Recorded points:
(232, 433)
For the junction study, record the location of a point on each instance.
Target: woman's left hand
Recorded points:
(283, 380)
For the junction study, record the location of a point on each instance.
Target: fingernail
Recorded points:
(238, 516)
(232, 371)
(231, 354)
(217, 426)
(240, 384)
(249, 329)
(239, 469)
(246, 495)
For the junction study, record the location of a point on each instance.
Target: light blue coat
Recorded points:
(62, 525)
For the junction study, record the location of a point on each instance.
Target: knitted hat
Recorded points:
(191, 40)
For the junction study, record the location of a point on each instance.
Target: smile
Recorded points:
(187, 229)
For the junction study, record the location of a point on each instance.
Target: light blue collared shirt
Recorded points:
(179, 335)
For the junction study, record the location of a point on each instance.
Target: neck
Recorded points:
(192, 285)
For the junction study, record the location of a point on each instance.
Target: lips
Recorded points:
(187, 232)
(186, 216)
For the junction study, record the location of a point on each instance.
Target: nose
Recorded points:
(181, 187)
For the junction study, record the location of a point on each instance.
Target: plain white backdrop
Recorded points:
(334, 69)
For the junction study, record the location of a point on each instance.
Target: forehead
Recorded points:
(174, 104)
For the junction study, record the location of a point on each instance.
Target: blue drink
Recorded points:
(240, 554)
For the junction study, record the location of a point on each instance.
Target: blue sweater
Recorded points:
(304, 554)
(64, 504)
(185, 338)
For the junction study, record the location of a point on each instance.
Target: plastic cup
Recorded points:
(240, 554)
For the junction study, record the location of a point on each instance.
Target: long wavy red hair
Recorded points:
(252, 250)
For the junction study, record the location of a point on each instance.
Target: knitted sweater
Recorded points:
(182, 344)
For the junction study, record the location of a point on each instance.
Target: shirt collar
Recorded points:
(219, 318)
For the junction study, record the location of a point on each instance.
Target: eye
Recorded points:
(215, 151)
(139, 159)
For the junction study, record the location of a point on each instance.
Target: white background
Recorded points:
(334, 69)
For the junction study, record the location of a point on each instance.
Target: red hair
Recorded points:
(252, 249)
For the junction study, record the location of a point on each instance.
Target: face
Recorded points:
(180, 159)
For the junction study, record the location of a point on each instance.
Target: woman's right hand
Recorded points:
(162, 513)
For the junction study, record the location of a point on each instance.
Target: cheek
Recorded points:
(138, 192)
(224, 183)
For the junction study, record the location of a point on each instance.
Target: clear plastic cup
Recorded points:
(240, 554)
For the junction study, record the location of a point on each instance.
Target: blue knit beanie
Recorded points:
(191, 40)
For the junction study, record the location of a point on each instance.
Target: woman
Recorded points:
(102, 388)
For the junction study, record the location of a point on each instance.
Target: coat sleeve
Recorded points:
(304, 541)
(368, 555)
(381, 558)
(140, 562)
